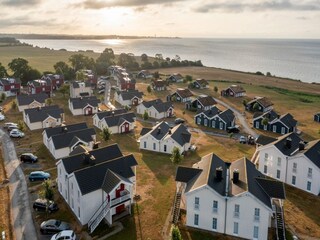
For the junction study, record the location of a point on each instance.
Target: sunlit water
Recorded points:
(296, 59)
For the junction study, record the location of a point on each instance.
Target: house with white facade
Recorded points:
(162, 138)
(84, 105)
(43, 117)
(117, 121)
(60, 145)
(128, 98)
(159, 85)
(31, 101)
(97, 184)
(80, 89)
(229, 198)
(180, 95)
(291, 160)
(156, 109)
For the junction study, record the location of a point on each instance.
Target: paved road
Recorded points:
(22, 221)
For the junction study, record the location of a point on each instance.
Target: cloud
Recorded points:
(16, 3)
(99, 4)
(260, 6)
(25, 21)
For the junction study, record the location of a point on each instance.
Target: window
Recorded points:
(221, 125)
(213, 124)
(265, 169)
(279, 161)
(309, 172)
(255, 232)
(278, 174)
(78, 212)
(144, 144)
(154, 146)
(266, 157)
(196, 219)
(236, 210)
(294, 168)
(274, 128)
(309, 186)
(265, 127)
(196, 203)
(235, 228)
(214, 223)
(164, 148)
(256, 214)
(257, 124)
(215, 206)
(198, 121)
(283, 130)
(206, 122)
(293, 180)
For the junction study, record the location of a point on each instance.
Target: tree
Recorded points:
(177, 58)
(255, 107)
(14, 105)
(64, 89)
(105, 60)
(149, 89)
(127, 61)
(80, 76)
(3, 71)
(175, 233)
(106, 134)
(188, 78)
(64, 69)
(215, 89)
(20, 68)
(176, 156)
(47, 191)
(145, 115)
(268, 74)
(79, 61)
(159, 56)
(32, 74)
(156, 75)
(49, 101)
(21, 125)
(3, 96)
(244, 102)
(265, 121)
(144, 57)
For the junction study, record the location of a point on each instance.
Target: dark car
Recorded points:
(234, 129)
(42, 205)
(179, 120)
(28, 157)
(38, 175)
(53, 226)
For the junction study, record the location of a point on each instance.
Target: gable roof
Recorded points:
(77, 84)
(111, 180)
(65, 128)
(68, 139)
(202, 82)
(206, 101)
(236, 89)
(145, 131)
(117, 120)
(79, 103)
(42, 113)
(103, 114)
(185, 174)
(128, 95)
(264, 140)
(27, 99)
(263, 101)
(160, 130)
(288, 120)
(211, 112)
(176, 76)
(180, 134)
(158, 105)
(270, 115)
(227, 116)
(184, 93)
(159, 83)
(312, 151)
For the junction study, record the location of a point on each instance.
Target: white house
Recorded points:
(128, 98)
(229, 198)
(117, 121)
(43, 117)
(181, 95)
(156, 109)
(145, 74)
(84, 105)
(60, 145)
(291, 160)
(31, 101)
(161, 138)
(98, 184)
(80, 89)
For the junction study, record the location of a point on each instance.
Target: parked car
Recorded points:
(11, 127)
(16, 133)
(43, 205)
(243, 139)
(38, 175)
(234, 129)
(2, 117)
(67, 234)
(179, 120)
(53, 226)
(28, 157)
(101, 91)
(8, 124)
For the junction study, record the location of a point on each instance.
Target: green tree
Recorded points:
(79, 61)
(244, 102)
(149, 89)
(156, 75)
(176, 156)
(47, 190)
(175, 233)
(21, 125)
(265, 121)
(215, 89)
(64, 89)
(14, 105)
(106, 134)
(159, 56)
(105, 59)
(255, 107)
(3, 96)
(145, 115)
(64, 69)
(188, 78)
(20, 68)
(32, 74)
(80, 76)
(3, 71)
(49, 101)
(268, 74)
(127, 61)
(144, 57)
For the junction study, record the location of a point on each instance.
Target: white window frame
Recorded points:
(196, 220)
(274, 128)
(309, 172)
(205, 122)
(198, 120)
(221, 125)
(235, 228)
(309, 185)
(214, 223)
(196, 203)
(236, 213)
(215, 206)
(257, 214)
(255, 232)
(283, 130)
(279, 161)
(278, 174)
(294, 180)
(257, 124)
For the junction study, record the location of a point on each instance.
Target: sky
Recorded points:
(167, 18)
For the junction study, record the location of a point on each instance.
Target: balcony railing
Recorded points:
(196, 206)
(236, 214)
(257, 218)
(125, 196)
(214, 209)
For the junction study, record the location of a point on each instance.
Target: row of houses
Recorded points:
(123, 78)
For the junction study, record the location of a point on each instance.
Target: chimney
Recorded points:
(169, 131)
(301, 145)
(288, 142)
(159, 130)
(64, 129)
(95, 145)
(92, 160)
(219, 174)
(86, 157)
(235, 176)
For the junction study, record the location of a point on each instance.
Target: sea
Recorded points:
(297, 59)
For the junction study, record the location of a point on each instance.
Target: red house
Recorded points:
(55, 79)
(124, 82)
(10, 86)
(40, 86)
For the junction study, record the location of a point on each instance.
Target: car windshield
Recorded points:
(58, 222)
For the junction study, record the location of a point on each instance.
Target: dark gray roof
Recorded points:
(145, 131)
(185, 174)
(312, 151)
(84, 94)
(160, 130)
(110, 113)
(66, 139)
(27, 99)
(40, 114)
(76, 162)
(263, 101)
(211, 112)
(273, 188)
(111, 180)
(180, 134)
(91, 178)
(206, 101)
(79, 149)
(117, 120)
(270, 115)
(202, 82)
(288, 120)
(317, 114)
(75, 84)
(184, 93)
(79, 103)
(158, 105)
(237, 89)
(288, 149)
(128, 95)
(68, 128)
(264, 140)
(227, 116)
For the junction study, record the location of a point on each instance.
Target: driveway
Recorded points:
(22, 221)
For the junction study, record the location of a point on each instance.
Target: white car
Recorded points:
(7, 124)
(16, 133)
(63, 235)
(2, 117)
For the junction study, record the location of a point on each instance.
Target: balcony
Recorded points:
(124, 196)
(196, 206)
(256, 218)
(236, 214)
(214, 209)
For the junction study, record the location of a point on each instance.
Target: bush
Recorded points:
(175, 233)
